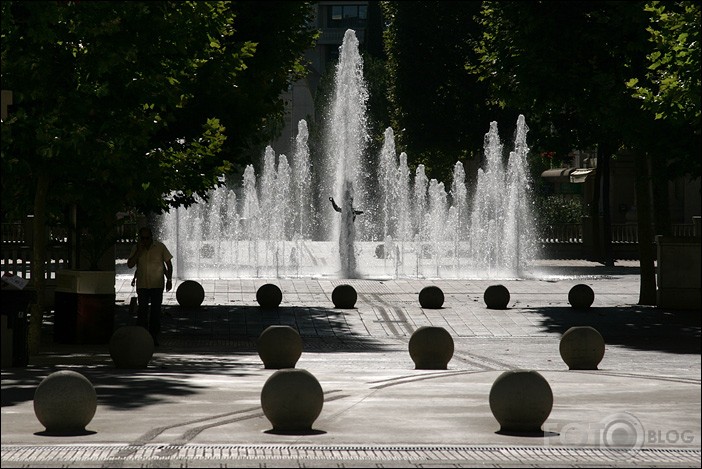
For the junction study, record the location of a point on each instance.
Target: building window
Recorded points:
(348, 16)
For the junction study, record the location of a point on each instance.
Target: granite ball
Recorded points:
(65, 402)
(131, 347)
(581, 296)
(269, 295)
(291, 400)
(431, 297)
(190, 294)
(496, 297)
(344, 296)
(582, 348)
(521, 401)
(279, 346)
(431, 348)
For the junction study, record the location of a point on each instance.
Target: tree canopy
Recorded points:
(119, 103)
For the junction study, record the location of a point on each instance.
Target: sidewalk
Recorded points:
(198, 402)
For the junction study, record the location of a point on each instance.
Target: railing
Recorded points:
(562, 233)
(621, 232)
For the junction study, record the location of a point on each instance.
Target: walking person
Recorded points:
(153, 262)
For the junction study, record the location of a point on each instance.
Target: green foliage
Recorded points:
(121, 103)
(437, 108)
(671, 85)
(557, 209)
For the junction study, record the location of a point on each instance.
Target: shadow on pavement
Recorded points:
(637, 327)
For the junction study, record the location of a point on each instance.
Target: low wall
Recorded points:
(678, 272)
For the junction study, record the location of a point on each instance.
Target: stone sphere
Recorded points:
(269, 296)
(344, 296)
(431, 297)
(521, 401)
(279, 347)
(291, 400)
(190, 294)
(496, 297)
(431, 348)
(581, 296)
(131, 347)
(582, 348)
(65, 402)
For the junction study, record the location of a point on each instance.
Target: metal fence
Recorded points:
(17, 251)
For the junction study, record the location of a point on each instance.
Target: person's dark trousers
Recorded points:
(149, 315)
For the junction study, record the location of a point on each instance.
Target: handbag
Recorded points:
(133, 304)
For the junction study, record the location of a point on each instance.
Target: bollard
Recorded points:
(291, 400)
(65, 402)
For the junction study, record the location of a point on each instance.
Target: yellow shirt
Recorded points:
(151, 268)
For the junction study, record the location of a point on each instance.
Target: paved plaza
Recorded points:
(198, 402)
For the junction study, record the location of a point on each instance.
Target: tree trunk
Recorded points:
(604, 155)
(647, 253)
(661, 207)
(595, 215)
(38, 267)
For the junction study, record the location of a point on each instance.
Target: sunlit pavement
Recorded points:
(198, 403)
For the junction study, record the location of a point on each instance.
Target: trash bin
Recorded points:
(15, 304)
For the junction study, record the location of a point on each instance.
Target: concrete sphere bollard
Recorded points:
(65, 402)
(131, 347)
(496, 297)
(279, 347)
(190, 294)
(344, 296)
(581, 296)
(269, 295)
(521, 401)
(431, 297)
(291, 400)
(431, 348)
(582, 348)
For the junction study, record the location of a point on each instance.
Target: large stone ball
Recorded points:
(582, 348)
(291, 400)
(431, 297)
(279, 346)
(65, 402)
(581, 296)
(344, 296)
(496, 297)
(521, 401)
(269, 295)
(431, 348)
(131, 347)
(190, 294)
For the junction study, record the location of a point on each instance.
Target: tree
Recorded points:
(438, 110)
(568, 65)
(118, 104)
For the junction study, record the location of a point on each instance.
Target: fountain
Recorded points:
(281, 224)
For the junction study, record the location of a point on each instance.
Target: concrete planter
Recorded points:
(678, 272)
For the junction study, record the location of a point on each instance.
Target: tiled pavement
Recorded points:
(197, 404)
